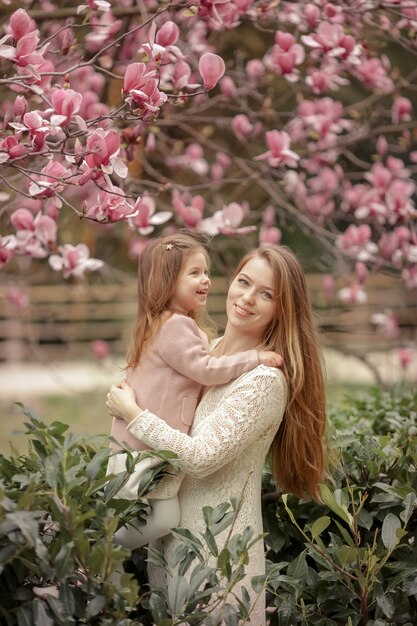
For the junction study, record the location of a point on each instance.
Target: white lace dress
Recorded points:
(223, 457)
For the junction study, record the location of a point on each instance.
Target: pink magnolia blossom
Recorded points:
(18, 298)
(328, 285)
(95, 5)
(192, 159)
(285, 55)
(168, 34)
(37, 127)
(66, 103)
(20, 106)
(331, 40)
(102, 30)
(11, 148)
(50, 181)
(146, 218)
(103, 147)
(401, 110)
(356, 242)
(269, 235)
(35, 235)
(27, 52)
(21, 24)
(7, 249)
(387, 322)
(140, 88)
(112, 206)
(189, 209)
(160, 46)
(136, 246)
(373, 74)
(279, 152)
(354, 294)
(405, 357)
(255, 70)
(242, 126)
(227, 221)
(74, 261)
(211, 68)
(228, 87)
(100, 349)
(409, 275)
(361, 272)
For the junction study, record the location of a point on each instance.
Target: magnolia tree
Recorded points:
(232, 116)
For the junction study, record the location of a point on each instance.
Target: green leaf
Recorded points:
(94, 466)
(410, 502)
(319, 526)
(94, 606)
(386, 605)
(223, 561)
(190, 540)
(64, 561)
(333, 505)
(211, 542)
(389, 535)
(258, 583)
(178, 591)
(346, 555)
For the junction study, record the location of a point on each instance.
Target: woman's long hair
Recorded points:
(298, 450)
(160, 265)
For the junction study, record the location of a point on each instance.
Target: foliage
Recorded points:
(348, 561)
(58, 515)
(352, 559)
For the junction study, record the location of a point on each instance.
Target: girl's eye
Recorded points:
(267, 295)
(242, 281)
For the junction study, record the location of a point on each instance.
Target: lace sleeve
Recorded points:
(252, 405)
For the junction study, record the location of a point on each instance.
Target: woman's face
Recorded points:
(251, 299)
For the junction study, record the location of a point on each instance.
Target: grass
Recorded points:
(83, 412)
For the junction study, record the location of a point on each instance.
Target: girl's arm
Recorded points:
(254, 405)
(181, 345)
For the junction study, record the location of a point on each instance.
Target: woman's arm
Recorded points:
(254, 404)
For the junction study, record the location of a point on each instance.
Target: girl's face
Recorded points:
(192, 285)
(251, 299)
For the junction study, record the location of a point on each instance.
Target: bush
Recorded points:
(353, 559)
(348, 561)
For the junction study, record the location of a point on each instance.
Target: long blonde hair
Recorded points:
(298, 451)
(160, 265)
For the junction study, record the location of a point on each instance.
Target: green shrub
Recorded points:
(58, 516)
(350, 560)
(353, 559)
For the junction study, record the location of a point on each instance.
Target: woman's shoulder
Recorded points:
(263, 376)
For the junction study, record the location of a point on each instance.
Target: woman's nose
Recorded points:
(248, 297)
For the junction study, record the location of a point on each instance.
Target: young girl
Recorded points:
(169, 363)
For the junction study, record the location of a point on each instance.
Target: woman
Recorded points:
(280, 411)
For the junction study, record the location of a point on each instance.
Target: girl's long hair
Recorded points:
(160, 265)
(298, 452)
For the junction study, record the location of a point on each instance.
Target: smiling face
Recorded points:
(251, 299)
(193, 283)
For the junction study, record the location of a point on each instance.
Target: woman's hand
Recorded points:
(121, 402)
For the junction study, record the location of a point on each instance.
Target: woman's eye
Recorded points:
(267, 295)
(242, 281)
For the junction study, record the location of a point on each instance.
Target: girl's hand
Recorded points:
(273, 359)
(121, 402)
